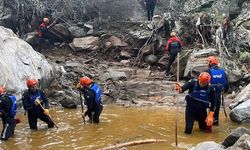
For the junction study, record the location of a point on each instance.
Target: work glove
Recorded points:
(178, 87)
(210, 119)
(37, 101)
(46, 112)
(79, 86)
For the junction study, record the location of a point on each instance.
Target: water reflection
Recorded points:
(118, 125)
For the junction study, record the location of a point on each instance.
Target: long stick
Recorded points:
(223, 104)
(133, 143)
(49, 116)
(83, 115)
(177, 108)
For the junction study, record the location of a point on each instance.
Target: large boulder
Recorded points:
(240, 109)
(61, 32)
(85, 43)
(19, 62)
(197, 61)
(77, 32)
(234, 136)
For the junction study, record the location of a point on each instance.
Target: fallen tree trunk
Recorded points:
(133, 143)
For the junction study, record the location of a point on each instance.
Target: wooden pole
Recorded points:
(83, 115)
(177, 108)
(49, 116)
(132, 143)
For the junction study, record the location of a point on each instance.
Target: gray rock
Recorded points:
(151, 59)
(234, 136)
(77, 32)
(20, 63)
(85, 43)
(68, 103)
(125, 54)
(113, 75)
(61, 31)
(117, 42)
(31, 38)
(197, 61)
(240, 109)
(147, 49)
(209, 145)
(140, 35)
(242, 144)
(241, 113)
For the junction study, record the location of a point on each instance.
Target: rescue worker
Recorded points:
(172, 48)
(43, 33)
(7, 112)
(150, 6)
(92, 95)
(219, 82)
(33, 99)
(200, 97)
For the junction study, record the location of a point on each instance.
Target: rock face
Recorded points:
(19, 62)
(240, 109)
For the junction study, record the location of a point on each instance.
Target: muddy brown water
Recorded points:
(118, 125)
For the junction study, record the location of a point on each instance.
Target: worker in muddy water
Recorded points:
(219, 82)
(33, 100)
(200, 97)
(92, 94)
(173, 47)
(150, 6)
(7, 112)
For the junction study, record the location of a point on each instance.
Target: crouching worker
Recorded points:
(7, 113)
(200, 97)
(92, 95)
(33, 100)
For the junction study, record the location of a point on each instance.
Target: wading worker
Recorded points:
(150, 6)
(33, 99)
(219, 82)
(200, 97)
(7, 113)
(92, 95)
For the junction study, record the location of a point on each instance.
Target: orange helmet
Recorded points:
(31, 83)
(204, 77)
(1, 90)
(85, 81)
(212, 60)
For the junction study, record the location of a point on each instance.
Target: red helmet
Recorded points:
(31, 83)
(204, 77)
(1, 90)
(212, 60)
(85, 81)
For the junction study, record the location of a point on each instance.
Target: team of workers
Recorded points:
(204, 92)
